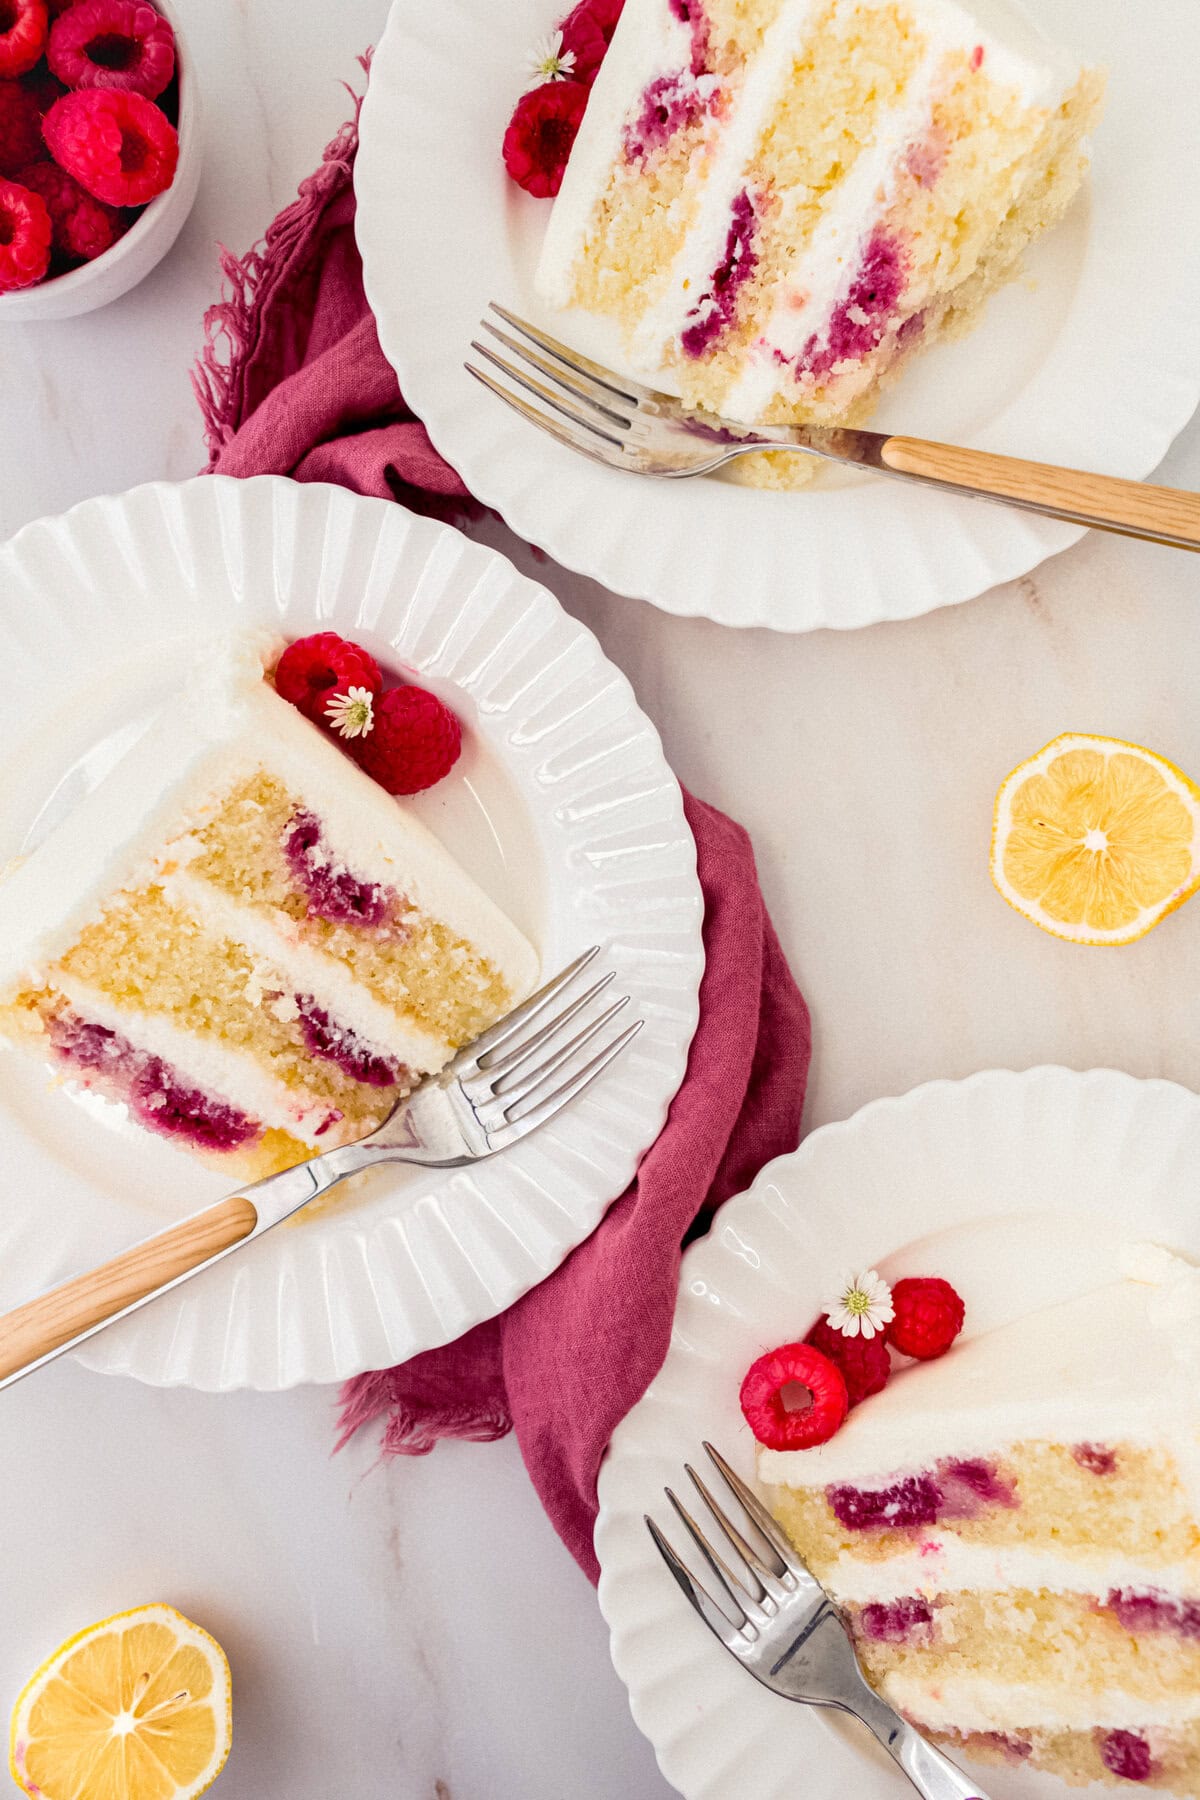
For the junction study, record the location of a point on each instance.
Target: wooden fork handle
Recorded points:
(1167, 515)
(44, 1325)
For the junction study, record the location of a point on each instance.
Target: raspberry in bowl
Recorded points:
(99, 151)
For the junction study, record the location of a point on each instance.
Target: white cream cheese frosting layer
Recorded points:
(650, 43)
(1116, 1363)
(943, 1564)
(223, 726)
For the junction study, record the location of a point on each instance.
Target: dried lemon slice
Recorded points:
(135, 1708)
(1096, 840)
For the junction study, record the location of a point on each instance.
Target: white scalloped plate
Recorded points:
(561, 805)
(1091, 362)
(1071, 1157)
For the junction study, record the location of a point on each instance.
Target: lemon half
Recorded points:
(136, 1708)
(1096, 840)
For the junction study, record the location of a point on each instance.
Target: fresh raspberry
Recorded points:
(765, 1407)
(588, 31)
(23, 28)
(113, 44)
(540, 135)
(46, 89)
(20, 128)
(119, 146)
(864, 1362)
(929, 1316)
(315, 669)
(414, 741)
(25, 235)
(84, 228)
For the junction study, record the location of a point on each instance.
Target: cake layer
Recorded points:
(1139, 1642)
(1134, 1497)
(1153, 1755)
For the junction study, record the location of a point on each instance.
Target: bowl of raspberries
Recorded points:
(99, 150)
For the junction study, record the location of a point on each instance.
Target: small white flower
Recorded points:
(862, 1305)
(352, 714)
(548, 61)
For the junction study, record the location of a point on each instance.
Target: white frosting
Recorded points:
(976, 1703)
(1102, 1367)
(942, 1564)
(227, 723)
(650, 43)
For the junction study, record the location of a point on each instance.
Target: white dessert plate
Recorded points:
(1012, 1186)
(1089, 362)
(561, 806)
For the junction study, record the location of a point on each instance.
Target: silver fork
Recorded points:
(512, 1079)
(779, 1623)
(625, 425)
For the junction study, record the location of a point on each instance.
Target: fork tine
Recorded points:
(749, 1555)
(544, 394)
(576, 383)
(508, 1097)
(511, 1059)
(740, 1597)
(754, 1509)
(620, 385)
(467, 1060)
(534, 416)
(703, 1602)
(529, 1120)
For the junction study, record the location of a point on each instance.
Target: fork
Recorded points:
(780, 1624)
(616, 421)
(516, 1076)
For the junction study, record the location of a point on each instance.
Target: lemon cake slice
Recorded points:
(778, 200)
(243, 939)
(1013, 1534)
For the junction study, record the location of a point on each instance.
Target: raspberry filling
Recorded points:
(714, 315)
(670, 104)
(692, 14)
(860, 322)
(896, 1622)
(333, 892)
(952, 1490)
(156, 1094)
(1097, 1459)
(338, 1044)
(1149, 1609)
(1127, 1755)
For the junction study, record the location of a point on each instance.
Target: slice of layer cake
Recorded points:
(245, 940)
(777, 201)
(1013, 1534)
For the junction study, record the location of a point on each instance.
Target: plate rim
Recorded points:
(278, 511)
(985, 555)
(612, 1538)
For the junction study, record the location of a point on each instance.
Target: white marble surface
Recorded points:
(415, 1632)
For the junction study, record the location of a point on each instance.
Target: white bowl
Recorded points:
(145, 244)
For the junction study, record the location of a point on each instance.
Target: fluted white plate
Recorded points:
(561, 805)
(1091, 362)
(1066, 1156)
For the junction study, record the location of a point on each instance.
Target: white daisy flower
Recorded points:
(862, 1305)
(352, 714)
(548, 61)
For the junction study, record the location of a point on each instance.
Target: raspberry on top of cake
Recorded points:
(1011, 1525)
(777, 201)
(242, 937)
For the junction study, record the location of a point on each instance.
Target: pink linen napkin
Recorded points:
(293, 382)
